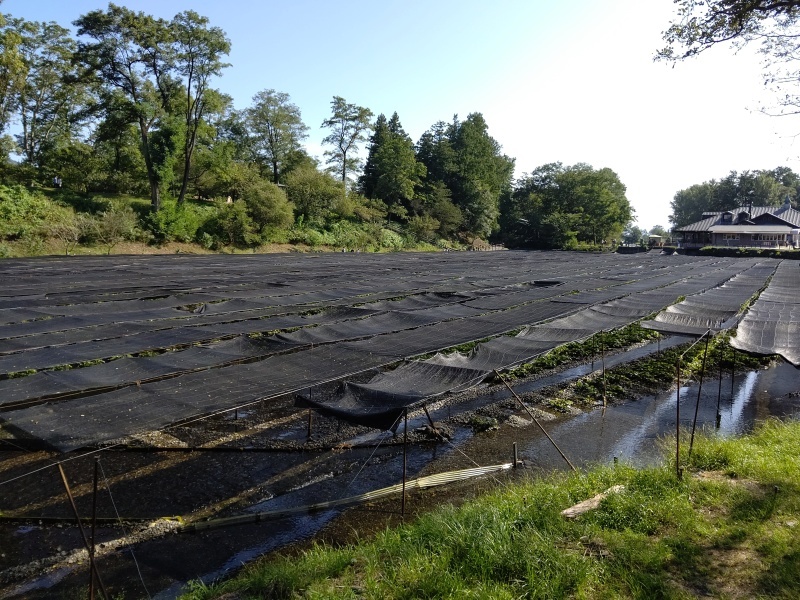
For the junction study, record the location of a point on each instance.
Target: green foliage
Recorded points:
(701, 25)
(348, 125)
(315, 195)
(231, 225)
(559, 207)
(178, 223)
(392, 172)
(22, 213)
(464, 159)
(276, 130)
(117, 224)
(267, 205)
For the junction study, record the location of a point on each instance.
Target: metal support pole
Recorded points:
(719, 392)
(405, 463)
(733, 369)
(699, 390)
(678, 418)
(310, 422)
(603, 350)
(535, 420)
(80, 527)
(514, 448)
(94, 526)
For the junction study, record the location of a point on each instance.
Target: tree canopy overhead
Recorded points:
(773, 24)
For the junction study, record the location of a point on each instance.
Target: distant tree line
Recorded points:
(128, 108)
(756, 188)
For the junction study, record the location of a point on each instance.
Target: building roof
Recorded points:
(742, 216)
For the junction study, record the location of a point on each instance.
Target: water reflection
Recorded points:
(631, 432)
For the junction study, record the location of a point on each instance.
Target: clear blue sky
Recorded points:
(556, 81)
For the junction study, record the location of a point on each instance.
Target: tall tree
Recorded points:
(557, 206)
(13, 71)
(197, 58)
(471, 164)
(276, 130)
(392, 172)
(130, 52)
(349, 125)
(369, 176)
(52, 104)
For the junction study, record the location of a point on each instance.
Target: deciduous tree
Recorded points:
(198, 52)
(276, 130)
(130, 52)
(349, 125)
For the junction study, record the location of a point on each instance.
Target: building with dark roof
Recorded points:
(745, 226)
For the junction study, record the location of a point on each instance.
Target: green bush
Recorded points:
(391, 240)
(174, 223)
(22, 213)
(231, 225)
(267, 205)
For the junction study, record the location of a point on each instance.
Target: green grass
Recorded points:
(728, 532)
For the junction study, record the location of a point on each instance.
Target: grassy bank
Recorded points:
(728, 529)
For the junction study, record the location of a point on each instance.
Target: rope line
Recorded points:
(124, 529)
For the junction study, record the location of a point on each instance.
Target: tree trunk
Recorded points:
(152, 178)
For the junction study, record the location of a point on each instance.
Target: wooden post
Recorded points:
(514, 454)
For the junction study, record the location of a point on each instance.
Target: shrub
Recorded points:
(115, 225)
(173, 222)
(391, 240)
(22, 213)
(231, 225)
(267, 205)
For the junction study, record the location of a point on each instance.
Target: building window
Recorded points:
(770, 237)
(730, 236)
